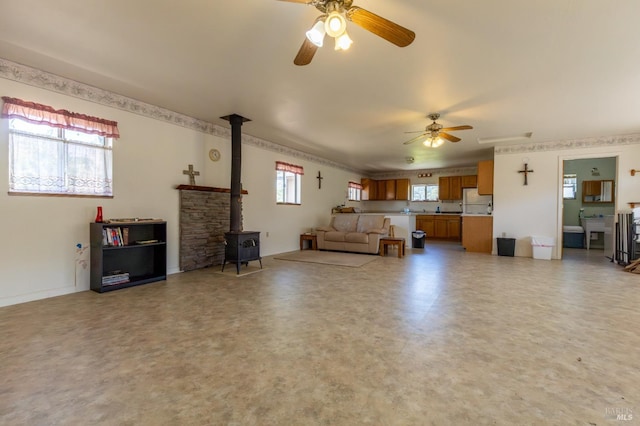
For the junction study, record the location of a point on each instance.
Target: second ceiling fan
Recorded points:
(333, 21)
(434, 133)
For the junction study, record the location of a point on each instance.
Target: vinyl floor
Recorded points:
(439, 337)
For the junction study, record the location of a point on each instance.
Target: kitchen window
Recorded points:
(424, 192)
(569, 187)
(354, 191)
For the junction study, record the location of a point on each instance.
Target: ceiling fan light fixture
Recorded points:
(433, 142)
(316, 33)
(343, 42)
(336, 24)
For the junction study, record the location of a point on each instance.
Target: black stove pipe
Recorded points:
(236, 171)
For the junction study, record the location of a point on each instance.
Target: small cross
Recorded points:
(526, 171)
(319, 177)
(192, 175)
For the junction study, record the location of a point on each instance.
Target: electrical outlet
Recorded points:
(267, 234)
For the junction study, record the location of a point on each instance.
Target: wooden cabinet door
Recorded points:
(470, 181)
(426, 224)
(381, 190)
(591, 187)
(444, 192)
(368, 189)
(390, 189)
(402, 189)
(441, 229)
(455, 187)
(485, 177)
(453, 228)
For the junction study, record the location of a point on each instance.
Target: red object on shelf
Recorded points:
(99, 215)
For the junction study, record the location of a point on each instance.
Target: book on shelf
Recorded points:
(146, 241)
(115, 278)
(116, 237)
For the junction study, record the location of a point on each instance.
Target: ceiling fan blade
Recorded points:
(449, 137)
(306, 52)
(417, 131)
(381, 27)
(416, 139)
(457, 128)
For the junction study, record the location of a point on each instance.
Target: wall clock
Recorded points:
(214, 155)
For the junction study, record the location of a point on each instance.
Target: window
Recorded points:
(288, 178)
(354, 191)
(569, 187)
(58, 152)
(424, 192)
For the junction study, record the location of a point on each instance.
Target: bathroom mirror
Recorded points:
(597, 191)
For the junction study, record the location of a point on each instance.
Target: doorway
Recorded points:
(588, 203)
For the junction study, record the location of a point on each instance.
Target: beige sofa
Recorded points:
(353, 232)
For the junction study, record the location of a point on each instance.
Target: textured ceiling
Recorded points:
(562, 69)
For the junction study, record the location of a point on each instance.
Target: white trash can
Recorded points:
(542, 247)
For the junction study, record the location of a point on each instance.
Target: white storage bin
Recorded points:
(542, 247)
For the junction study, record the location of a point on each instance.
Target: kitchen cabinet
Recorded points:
(450, 188)
(485, 177)
(444, 188)
(390, 189)
(597, 191)
(439, 226)
(402, 189)
(426, 224)
(477, 233)
(383, 190)
(470, 181)
(453, 228)
(369, 189)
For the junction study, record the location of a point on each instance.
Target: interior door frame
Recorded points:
(568, 157)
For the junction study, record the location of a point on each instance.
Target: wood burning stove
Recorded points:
(241, 247)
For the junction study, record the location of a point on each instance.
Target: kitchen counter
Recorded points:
(413, 213)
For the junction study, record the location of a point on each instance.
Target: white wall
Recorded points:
(39, 257)
(536, 209)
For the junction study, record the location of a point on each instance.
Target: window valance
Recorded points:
(286, 167)
(43, 114)
(355, 185)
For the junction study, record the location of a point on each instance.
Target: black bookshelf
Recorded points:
(127, 254)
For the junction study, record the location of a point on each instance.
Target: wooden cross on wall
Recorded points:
(526, 171)
(319, 177)
(192, 175)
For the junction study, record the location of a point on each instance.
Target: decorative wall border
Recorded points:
(44, 80)
(593, 142)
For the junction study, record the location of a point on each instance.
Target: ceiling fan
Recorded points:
(333, 21)
(434, 133)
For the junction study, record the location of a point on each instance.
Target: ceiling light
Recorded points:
(433, 142)
(316, 33)
(335, 24)
(343, 42)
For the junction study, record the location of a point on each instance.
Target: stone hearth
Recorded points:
(204, 219)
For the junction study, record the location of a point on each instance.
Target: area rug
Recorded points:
(231, 271)
(328, 258)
